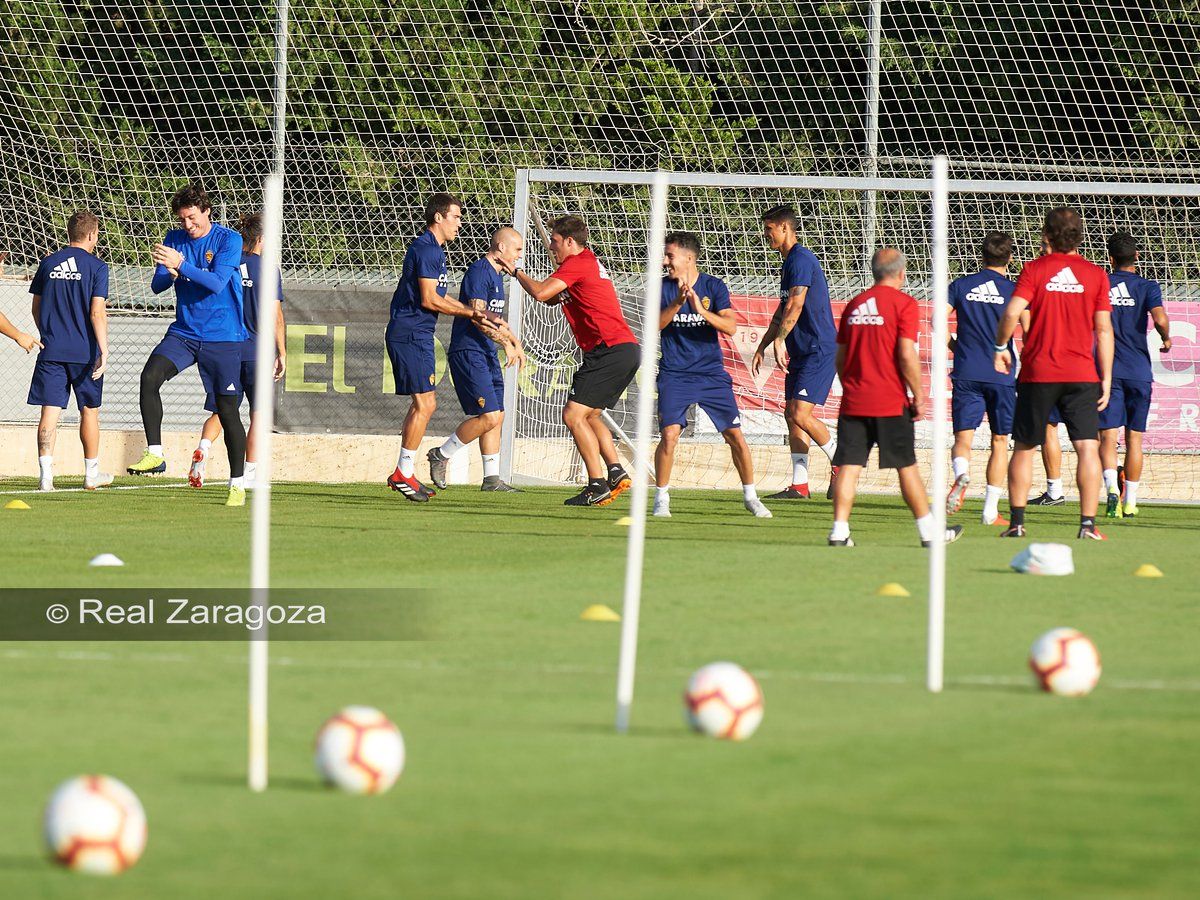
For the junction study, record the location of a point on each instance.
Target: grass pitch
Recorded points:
(858, 783)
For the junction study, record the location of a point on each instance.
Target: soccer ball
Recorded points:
(1065, 662)
(724, 701)
(360, 751)
(95, 824)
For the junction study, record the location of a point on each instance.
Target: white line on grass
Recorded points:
(103, 490)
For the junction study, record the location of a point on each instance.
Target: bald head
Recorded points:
(507, 247)
(888, 265)
(505, 237)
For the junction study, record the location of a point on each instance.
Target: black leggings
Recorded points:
(157, 372)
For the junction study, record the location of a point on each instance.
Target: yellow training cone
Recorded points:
(892, 589)
(598, 612)
(1148, 570)
(624, 520)
(16, 504)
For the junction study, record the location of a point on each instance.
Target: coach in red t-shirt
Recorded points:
(877, 364)
(1069, 337)
(610, 354)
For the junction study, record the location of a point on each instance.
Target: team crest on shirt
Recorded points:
(208, 256)
(705, 302)
(431, 379)
(482, 403)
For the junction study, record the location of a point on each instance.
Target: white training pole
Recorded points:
(645, 418)
(260, 510)
(937, 414)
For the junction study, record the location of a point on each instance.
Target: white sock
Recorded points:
(205, 446)
(251, 471)
(1131, 493)
(749, 493)
(799, 468)
(452, 446)
(829, 447)
(1110, 480)
(46, 466)
(491, 465)
(407, 463)
(661, 493)
(240, 481)
(1054, 487)
(155, 450)
(840, 531)
(91, 467)
(925, 526)
(961, 466)
(991, 501)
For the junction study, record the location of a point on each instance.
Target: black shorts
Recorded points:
(604, 375)
(1076, 402)
(856, 435)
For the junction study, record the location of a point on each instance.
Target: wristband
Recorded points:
(1000, 348)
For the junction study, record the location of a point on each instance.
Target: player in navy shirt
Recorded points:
(419, 297)
(805, 317)
(475, 365)
(1135, 300)
(691, 370)
(250, 227)
(979, 301)
(69, 292)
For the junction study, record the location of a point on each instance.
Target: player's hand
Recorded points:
(101, 365)
(168, 257)
(27, 342)
(780, 353)
(1105, 390)
(1003, 362)
(514, 356)
(280, 366)
(756, 363)
(1166, 345)
(916, 407)
(694, 299)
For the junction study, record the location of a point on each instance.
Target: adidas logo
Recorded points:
(247, 281)
(803, 392)
(66, 271)
(1065, 282)
(986, 293)
(231, 387)
(1120, 296)
(866, 313)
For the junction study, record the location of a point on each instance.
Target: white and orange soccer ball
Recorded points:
(360, 750)
(95, 824)
(1065, 662)
(723, 701)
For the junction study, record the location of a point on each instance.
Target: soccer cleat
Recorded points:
(149, 464)
(411, 488)
(833, 474)
(438, 465)
(1091, 533)
(1129, 510)
(196, 472)
(1112, 508)
(846, 542)
(46, 485)
(1017, 531)
(791, 492)
(953, 533)
(102, 480)
(756, 506)
(958, 493)
(662, 507)
(999, 520)
(237, 496)
(592, 495)
(618, 481)
(493, 483)
(1047, 500)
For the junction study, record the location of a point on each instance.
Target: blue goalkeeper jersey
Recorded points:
(208, 291)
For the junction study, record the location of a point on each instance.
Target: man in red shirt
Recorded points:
(610, 354)
(876, 362)
(1069, 337)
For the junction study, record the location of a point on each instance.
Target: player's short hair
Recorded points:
(780, 215)
(191, 194)
(81, 224)
(499, 235)
(887, 262)
(684, 240)
(997, 248)
(571, 227)
(1063, 229)
(439, 205)
(1123, 249)
(250, 227)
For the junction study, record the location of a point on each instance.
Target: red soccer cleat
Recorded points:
(411, 488)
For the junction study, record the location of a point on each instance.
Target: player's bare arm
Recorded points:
(447, 306)
(1163, 326)
(542, 291)
(1102, 323)
(910, 371)
(668, 314)
(99, 317)
(280, 343)
(782, 324)
(25, 341)
(1014, 314)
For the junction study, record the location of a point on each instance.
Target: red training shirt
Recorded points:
(1064, 291)
(871, 327)
(593, 312)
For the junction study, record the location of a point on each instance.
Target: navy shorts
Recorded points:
(1128, 405)
(712, 393)
(810, 377)
(413, 364)
(53, 382)
(248, 382)
(219, 362)
(478, 381)
(971, 399)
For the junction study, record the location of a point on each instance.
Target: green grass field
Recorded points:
(858, 783)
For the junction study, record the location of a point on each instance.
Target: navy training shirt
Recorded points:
(251, 271)
(980, 300)
(425, 258)
(481, 282)
(691, 346)
(814, 331)
(67, 280)
(1132, 297)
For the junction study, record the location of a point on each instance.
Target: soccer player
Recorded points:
(69, 291)
(805, 318)
(877, 361)
(979, 301)
(250, 227)
(25, 341)
(1069, 314)
(1052, 463)
(695, 308)
(475, 364)
(200, 260)
(419, 297)
(610, 354)
(1134, 299)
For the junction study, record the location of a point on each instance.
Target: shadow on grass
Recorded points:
(635, 731)
(13, 862)
(278, 782)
